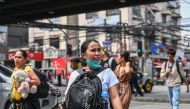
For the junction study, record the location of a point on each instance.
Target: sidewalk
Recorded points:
(159, 94)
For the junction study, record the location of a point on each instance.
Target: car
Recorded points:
(5, 89)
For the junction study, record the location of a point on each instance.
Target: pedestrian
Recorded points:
(123, 72)
(107, 60)
(171, 71)
(49, 75)
(91, 58)
(75, 63)
(135, 77)
(31, 102)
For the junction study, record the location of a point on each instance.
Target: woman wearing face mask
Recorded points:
(91, 55)
(123, 72)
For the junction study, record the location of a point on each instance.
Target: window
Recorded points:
(38, 41)
(54, 42)
(91, 15)
(150, 17)
(164, 16)
(174, 21)
(112, 12)
(136, 11)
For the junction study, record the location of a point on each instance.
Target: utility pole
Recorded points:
(124, 28)
(120, 30)
(120, 35)
(78, 44)
(66, 37)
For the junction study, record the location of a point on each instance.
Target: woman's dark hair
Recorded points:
(126, 55)
(85, 44)
(84, 47)
(23, 53)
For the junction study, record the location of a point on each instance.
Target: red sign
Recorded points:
(37, 56)
(60, 63)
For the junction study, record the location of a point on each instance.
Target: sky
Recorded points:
(185, 7)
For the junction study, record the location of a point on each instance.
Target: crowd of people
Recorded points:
(118, 79)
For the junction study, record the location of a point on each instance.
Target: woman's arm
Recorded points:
(114, 96)
(34, 80)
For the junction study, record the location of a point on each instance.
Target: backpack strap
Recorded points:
(177, 65)
(80, 71)
(96, 71)
(165, 65)
(110, 62)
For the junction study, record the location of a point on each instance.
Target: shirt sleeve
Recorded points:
(28, 68)
(73, 76)
(112, 78)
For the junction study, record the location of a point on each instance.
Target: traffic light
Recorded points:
(139, 49)
(69, 49)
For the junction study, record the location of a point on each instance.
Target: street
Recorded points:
(154, 105)
(157, 99)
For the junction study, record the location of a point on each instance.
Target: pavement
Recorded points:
(159, 94)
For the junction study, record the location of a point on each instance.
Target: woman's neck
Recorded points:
(19, 67)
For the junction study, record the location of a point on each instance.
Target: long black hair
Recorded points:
(84, 47)
(126, 55)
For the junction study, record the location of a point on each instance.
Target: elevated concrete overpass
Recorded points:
(12, 11)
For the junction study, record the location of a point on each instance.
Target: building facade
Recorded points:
(154, 25)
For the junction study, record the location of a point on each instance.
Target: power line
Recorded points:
(186, 1)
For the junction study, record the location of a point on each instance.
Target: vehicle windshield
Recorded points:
(5, 73)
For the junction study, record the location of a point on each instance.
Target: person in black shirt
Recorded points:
(107, 60)
(135, 76)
